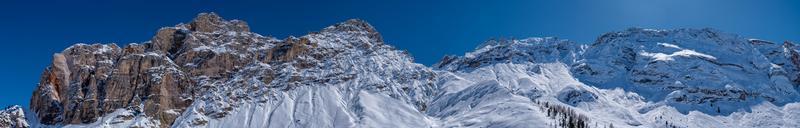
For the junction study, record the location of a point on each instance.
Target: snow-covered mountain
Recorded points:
(693, 69)
(213, 72)
(13, 117)
(504, 83)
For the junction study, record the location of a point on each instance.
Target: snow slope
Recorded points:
(692, 69)
(358, 82)
(504, 83)
(474, 95)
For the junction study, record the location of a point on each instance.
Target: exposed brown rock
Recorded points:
(159, 78)
(168, 40)
(151, 80)
(288, 50)
(356, 25)
(87, 81)
(210, 22)
(69, 87)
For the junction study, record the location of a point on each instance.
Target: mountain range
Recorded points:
(213, 72)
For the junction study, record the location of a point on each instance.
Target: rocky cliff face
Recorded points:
(323, 79)
(85, 82)
(218, 63)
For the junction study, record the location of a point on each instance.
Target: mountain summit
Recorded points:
(213, 72)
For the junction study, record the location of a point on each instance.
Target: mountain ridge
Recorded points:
(213, 72)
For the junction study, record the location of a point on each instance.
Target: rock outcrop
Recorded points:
(157, 80)
(13, 117)
(85, 82)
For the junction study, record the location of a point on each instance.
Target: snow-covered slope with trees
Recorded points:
(213, 72)
(691, 69)
(543, 84)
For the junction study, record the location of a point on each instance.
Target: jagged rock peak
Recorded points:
(788, 43)
(535, 49)
(16, 109)
(13, 117)
(680, 30)
(493, 43)
(352, 25)
(355, 26)
(687, 33)
(91, 48)
(211, 22)
(172, 40)
(87, 82)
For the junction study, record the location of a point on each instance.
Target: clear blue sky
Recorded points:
(32, 31)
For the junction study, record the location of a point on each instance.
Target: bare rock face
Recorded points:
(156, 81)
(356, 25)
(85, 82)
(148, 83)
(210, 22)
(74, 76)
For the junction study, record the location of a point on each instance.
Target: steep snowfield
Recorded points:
(359, 82)
(476, 95)
(501, 95)
(692, 69)
(506, 97)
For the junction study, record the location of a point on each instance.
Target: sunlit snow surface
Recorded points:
(510, 88)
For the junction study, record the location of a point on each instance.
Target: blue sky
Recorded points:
(33, 31)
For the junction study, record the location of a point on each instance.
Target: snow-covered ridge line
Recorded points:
(213, 72)
(689, 70)
(13, 117)
(624, 48)
(204, 65)
(534, 49)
